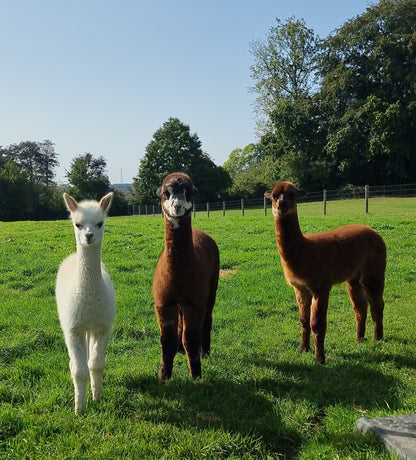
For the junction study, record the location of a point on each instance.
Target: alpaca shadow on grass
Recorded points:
(352, 385)
(213, 404)
(252, 408)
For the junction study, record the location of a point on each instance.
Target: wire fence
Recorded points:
(363, 197)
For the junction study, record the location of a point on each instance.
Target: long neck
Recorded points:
(178, 240)
(89, 263)
(289, 236)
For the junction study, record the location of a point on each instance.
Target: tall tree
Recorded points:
(88, 178)
(284, 65)
(284, 72)
(174, 148)
(368, 70)
(37, 159)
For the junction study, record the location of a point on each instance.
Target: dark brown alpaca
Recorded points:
(313, 263)
(186, 279)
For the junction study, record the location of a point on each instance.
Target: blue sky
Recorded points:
(102, 76)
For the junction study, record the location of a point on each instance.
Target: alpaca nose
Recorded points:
(89, 236)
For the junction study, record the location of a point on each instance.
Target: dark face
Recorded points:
(177, 193)
(284, 198)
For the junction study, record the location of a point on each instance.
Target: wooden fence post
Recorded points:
(325, 199)
(193, 206)
(207, 209)
(366, 193)
(265, 206)
(223, 208)
(242, 206)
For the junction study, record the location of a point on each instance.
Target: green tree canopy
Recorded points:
(37, 159)
(88, 178)
(355, 125)
(368, 93)
(284, 64)
(29, 170)
(14, 191)
(285, 75)
(174, 148)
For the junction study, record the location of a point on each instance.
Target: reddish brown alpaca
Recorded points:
(313, 263)
(186, 279)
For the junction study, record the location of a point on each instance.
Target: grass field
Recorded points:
(259, 397)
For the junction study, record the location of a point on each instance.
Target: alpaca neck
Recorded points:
(88, 263)
(289, 237)
(178, 241)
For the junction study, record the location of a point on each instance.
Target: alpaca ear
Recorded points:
(106, 201)
(159, 191)
(195, 191)
(268, 195)
(70, 203)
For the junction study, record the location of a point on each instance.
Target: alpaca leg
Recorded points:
(319, 310)
(192, 341)
(77, 349)
(207, 324)
(97, 347)
(168, 323)
(359, 302)
(374, 291)
(181, 349)
(304, 299)
(206, 333)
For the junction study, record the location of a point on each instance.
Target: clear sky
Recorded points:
(102, 76)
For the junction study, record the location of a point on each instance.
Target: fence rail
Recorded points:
(364, 192)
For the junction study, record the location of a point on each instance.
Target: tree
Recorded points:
(14, 191)
(284, 65)
(36, 162)
(37, 159)
(285, 75)
(239, 160)
(368, 95)
(87, 177)
(295, 141)
(251, 173)
(174, 148)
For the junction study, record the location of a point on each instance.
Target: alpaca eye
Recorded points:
(166, 194)
(78, 226)
(100, 224)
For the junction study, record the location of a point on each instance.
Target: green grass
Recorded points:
(259, 397)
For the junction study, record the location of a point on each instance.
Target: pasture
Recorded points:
(258, 398)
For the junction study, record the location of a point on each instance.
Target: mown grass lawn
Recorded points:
(259, 397)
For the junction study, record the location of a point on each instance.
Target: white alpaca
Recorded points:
(85, 298)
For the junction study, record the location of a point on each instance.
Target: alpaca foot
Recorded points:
(80, 407)
(196, 370)
(378, 332)
(320, 359)
(164, 375)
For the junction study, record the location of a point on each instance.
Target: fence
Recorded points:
(364, 192)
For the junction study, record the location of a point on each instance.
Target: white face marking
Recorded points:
(176, 204)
